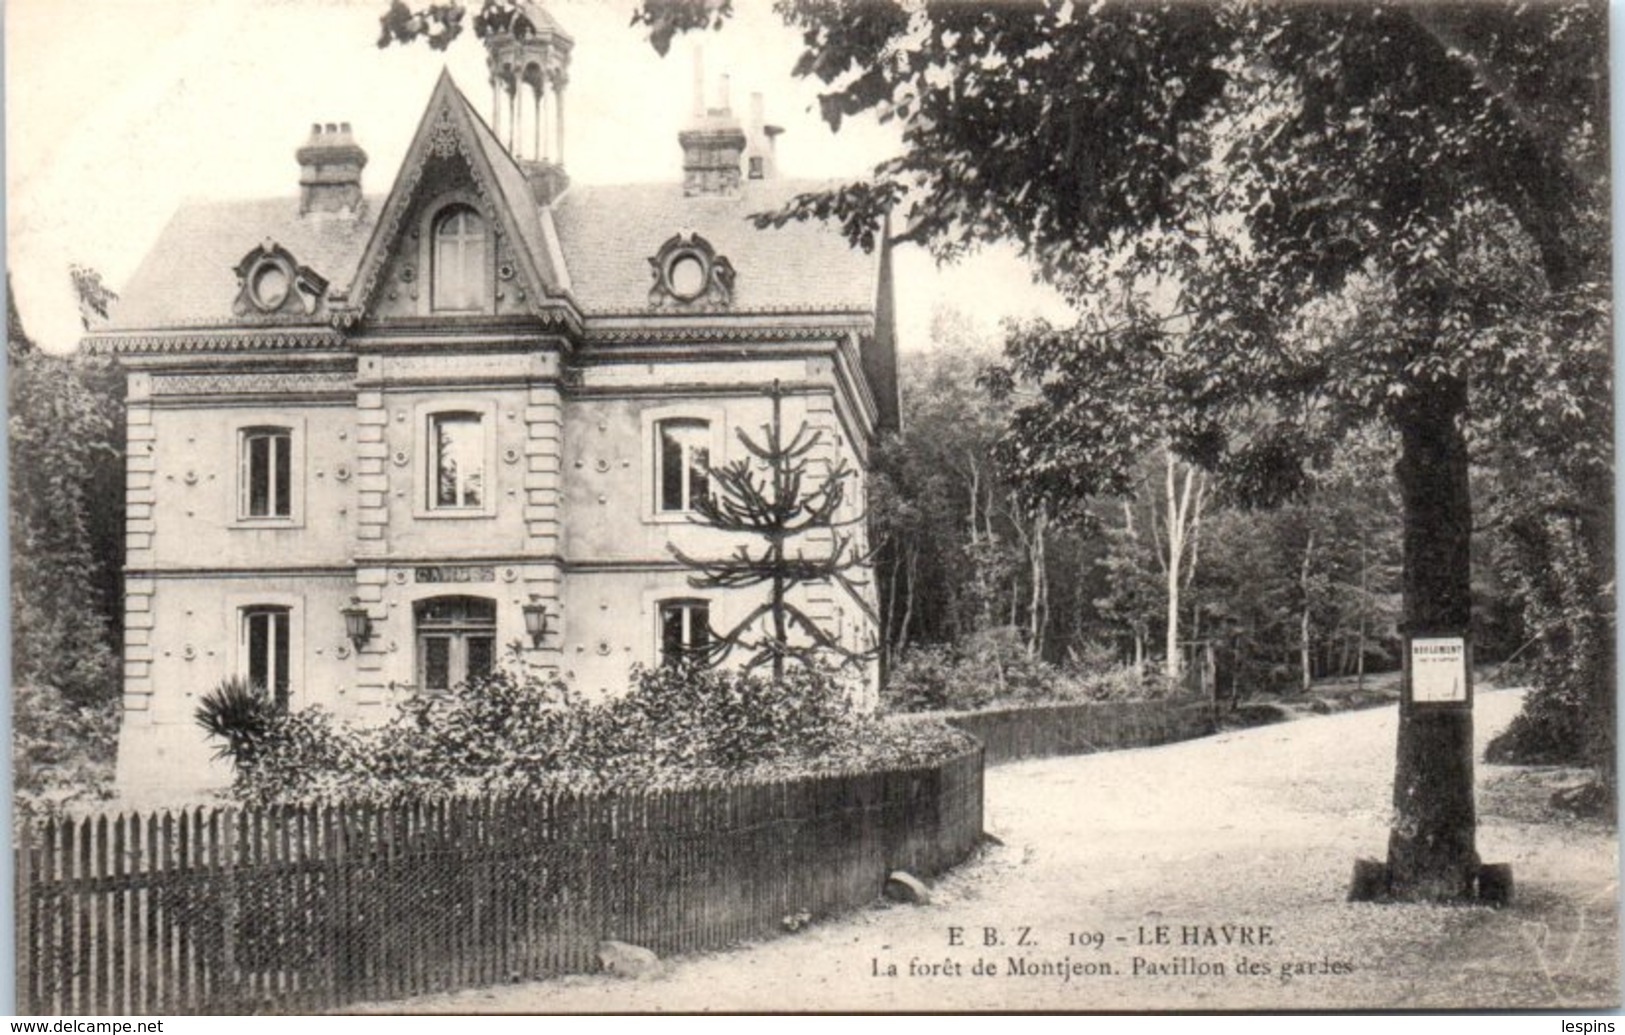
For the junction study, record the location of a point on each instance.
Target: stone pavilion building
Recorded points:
(374, 440)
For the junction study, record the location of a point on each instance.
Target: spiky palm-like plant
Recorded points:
(240, 713)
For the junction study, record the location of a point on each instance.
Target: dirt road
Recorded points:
(1205, 875)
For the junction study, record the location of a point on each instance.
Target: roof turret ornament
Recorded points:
(527, 53)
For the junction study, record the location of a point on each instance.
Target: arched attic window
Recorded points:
(459, 260)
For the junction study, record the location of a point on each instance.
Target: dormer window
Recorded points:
(269, 285)
(459, 260)
(689, 274)
(270, 282)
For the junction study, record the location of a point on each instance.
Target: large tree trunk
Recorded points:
(1182, 513)
(888, 625)
(1431, 849)
(975, 497)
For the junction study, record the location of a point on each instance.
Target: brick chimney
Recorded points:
(712, 144)
(330, 165)
(761, 154)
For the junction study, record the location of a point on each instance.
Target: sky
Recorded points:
(117, 110)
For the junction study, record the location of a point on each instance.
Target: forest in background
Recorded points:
(65, 517)
(1285, 596)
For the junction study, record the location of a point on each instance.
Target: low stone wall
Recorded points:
(1039, 731)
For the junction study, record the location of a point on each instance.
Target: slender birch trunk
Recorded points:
(1179, 513)
(1306, 664)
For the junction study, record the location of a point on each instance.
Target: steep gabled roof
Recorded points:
(450, 124)
(590, 249)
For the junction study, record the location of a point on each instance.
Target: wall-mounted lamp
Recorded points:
(357, 623)
(535, 614)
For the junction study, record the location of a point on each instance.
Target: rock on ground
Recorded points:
(627, 961)
(905, 887)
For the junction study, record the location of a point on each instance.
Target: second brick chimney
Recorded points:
(330, 165)
(712, 145)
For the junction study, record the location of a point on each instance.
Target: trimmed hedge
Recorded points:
(1040, 731)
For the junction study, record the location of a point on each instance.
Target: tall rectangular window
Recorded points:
(266, 473)
(456, 462)
(683, 459)
(265, 648)
(685, 630)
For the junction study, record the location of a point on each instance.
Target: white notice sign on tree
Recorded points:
(1439, 670)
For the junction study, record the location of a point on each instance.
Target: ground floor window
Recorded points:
(265, 650)
(685, 630)
(456, 641)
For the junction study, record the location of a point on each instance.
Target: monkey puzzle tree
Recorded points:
(773, 495)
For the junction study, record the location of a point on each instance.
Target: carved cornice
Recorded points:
(843, 313)
(651, 334)
(554, 320)
(259, 382)
(221, 340)
(639, 331)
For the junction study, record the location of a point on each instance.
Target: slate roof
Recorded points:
(609, 232)
(187, 278)
(605, 234)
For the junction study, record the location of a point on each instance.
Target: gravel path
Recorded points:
(1213, 840)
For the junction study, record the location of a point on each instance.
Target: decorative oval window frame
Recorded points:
(709, 284)
(702, 263)
(261, 301)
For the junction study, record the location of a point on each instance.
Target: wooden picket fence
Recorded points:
(299, 909)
